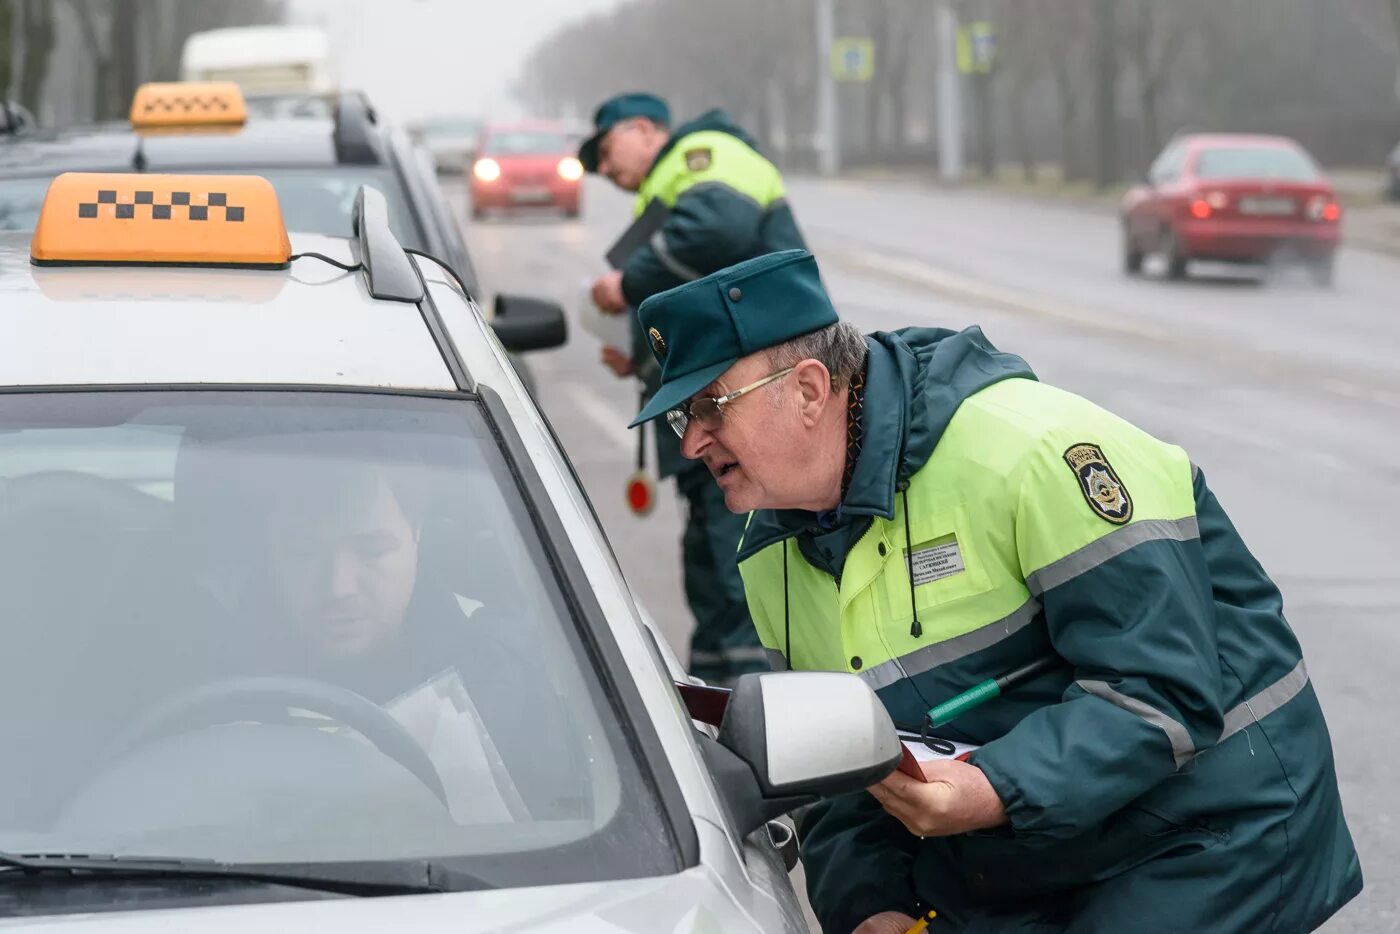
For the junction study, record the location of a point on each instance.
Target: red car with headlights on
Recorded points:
(1234, 199)
(525, 165)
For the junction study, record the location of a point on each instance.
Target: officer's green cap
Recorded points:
(612, 112)
(700, 329)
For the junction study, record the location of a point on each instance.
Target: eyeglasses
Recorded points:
(708, 411)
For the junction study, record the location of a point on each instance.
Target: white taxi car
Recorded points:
(308, 624)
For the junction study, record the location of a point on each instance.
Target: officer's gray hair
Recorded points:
(839, 347)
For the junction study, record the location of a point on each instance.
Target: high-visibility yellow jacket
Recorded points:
(1172, 770)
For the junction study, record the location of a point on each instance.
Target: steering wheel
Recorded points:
(259, 698)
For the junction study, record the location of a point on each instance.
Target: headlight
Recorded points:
(570, 169)
(487, 170)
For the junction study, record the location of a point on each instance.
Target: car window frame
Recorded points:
(620, 694)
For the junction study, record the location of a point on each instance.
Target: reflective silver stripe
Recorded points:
(1110, 546)
(950, 650)
(739, 653)
(1182, 747)
(1266, 701)
(663, 253)
(776, 659)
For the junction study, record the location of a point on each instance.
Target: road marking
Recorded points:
(921, 274)
(608, 419)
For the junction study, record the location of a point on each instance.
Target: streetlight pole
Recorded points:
(828, 144)
(950, 124)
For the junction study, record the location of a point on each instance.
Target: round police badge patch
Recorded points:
(658, 343)
(1102, 489)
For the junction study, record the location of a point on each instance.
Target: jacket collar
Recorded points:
(872, 488)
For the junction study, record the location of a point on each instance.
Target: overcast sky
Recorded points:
(419, 58)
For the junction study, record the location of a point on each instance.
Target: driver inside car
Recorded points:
(338, 591)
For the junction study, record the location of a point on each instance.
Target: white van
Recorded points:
(262, 59)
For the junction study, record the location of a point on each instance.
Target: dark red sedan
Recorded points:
(525, 165)
(1234, 199)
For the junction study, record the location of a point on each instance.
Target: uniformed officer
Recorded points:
(928, 515)
(725, 203)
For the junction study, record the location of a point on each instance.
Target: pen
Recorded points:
(922, 923)
(979, 694)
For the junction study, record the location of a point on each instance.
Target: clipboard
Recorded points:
(636, 236)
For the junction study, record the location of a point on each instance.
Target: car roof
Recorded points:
(308, 324)
(525, 126)
(1209, 140)
(354, 136)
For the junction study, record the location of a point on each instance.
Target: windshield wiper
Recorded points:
(398, 877)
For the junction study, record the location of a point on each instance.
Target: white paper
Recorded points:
(614, 330)
(922, 753)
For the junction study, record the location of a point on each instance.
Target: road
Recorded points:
(1286, 395)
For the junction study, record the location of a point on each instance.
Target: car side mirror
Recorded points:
(792, 738)
(522, 323)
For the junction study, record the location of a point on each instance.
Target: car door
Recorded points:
(1151, 216)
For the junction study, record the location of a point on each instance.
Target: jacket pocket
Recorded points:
(1002, 865)
(947, 564)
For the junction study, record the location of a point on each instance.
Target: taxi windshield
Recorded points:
(319, 200)
(296, 628)
(526, 143)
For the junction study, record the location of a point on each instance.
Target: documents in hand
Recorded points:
(917, 753)
(614, 330)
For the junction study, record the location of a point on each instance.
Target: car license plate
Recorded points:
(531, 195)
(1267, 206)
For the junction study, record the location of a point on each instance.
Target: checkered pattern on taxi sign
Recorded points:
(164, 211)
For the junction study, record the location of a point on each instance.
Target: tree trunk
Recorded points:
(1020, 130)
(123, 45)
(38, 40)
(986, 126)
(1151, 125)
(1106, 95)
(7, 26)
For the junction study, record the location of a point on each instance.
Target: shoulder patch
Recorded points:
(1103, 491)
(698, 160)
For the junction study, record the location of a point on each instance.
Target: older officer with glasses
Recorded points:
(927, 515)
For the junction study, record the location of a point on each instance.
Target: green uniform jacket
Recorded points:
(727, 203)
(1172, 772)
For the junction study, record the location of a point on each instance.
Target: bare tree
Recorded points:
(1156, 34)
(37, 41)
(1106, 74)
(1022, 51)
(7, 45)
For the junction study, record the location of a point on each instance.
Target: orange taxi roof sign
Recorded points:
(188, 104)
(160, 220)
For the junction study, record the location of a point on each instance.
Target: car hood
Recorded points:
(688, 902)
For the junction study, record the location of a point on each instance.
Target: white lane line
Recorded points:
(606, 417)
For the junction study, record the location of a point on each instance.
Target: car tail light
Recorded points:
(570, 169)
(1218, 200)
(1323, 208)
(1200, 209)
(486, 170)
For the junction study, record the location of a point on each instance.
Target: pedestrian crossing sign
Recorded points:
(977, 49)
(853, 58)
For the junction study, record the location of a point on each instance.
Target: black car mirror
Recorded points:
(523, 323)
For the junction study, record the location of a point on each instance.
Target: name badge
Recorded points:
(934, 562)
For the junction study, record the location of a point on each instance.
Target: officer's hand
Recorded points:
(618, 362)
(956, 798)
(886, 922)
(607, 292)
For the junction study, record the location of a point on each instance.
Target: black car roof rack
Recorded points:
(389, 273)
(357, 140)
